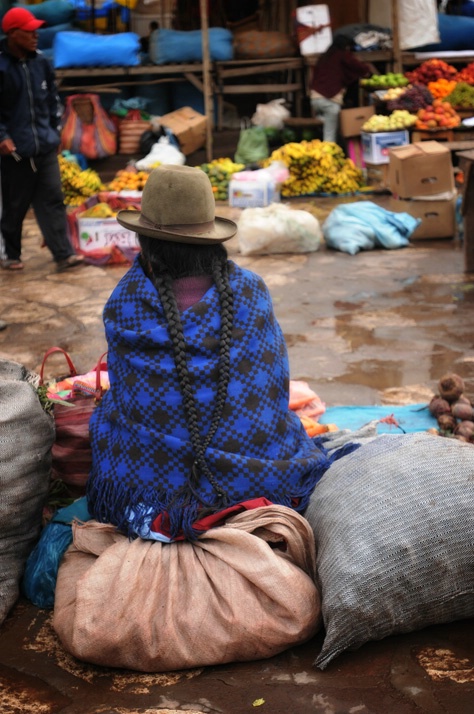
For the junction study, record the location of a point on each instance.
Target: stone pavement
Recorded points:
(378, 327)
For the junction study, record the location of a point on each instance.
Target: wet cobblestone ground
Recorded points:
(378, 327)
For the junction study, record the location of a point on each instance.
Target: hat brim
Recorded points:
(32, 25)
(223, 229)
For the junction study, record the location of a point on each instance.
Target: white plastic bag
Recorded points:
(277, 228)
(272, 114)
(163, 152)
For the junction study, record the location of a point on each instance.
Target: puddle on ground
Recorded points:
(375, 374)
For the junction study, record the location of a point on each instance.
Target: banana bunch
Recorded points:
(78, 184)
(220, 172)
(316, 167)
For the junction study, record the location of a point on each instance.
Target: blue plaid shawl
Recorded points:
(142, 456)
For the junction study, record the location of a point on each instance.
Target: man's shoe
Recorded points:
(10, 264)
(3, 325)
(71, 261)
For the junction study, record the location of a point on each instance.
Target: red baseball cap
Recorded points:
(18, 18)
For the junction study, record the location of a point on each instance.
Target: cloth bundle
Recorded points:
(243, 591)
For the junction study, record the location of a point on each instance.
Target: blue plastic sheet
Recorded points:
(168, 46)
(363, 225)
(41, 570)
(456, 33)
(411, 417)
(53, 12)
(85, 49)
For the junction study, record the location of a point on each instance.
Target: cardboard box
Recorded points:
(101, 240)
(352, 120)
(188, 126)
(438, 218)
(421, 169)
(377, 176)
(307, 17)
(97, 233)
(252, 194)
(376, 146)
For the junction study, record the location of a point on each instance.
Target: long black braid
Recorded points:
(213, 260)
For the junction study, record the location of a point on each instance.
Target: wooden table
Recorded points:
(114, 77)
(290, 85)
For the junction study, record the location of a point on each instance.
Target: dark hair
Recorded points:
(182, 260)
(164, 262)
(341, 42)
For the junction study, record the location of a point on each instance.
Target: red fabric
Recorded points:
(161, 523)
(336, 70)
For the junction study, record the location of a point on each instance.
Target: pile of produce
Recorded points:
(466, 74)
(100, 210)
(78, 184)
(462, 96)
(129, 180)
(439, 115)
(399, 119)
(379, 81)
(108, 208)
(430, 71)
(452, 409)
(442, 87)
(394, 93)
(220, 172)
(316, 167)
(413, 99)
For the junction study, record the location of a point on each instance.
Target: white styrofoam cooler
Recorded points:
(315, 16)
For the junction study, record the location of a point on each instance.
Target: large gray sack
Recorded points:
(26, 437)
(394, 529)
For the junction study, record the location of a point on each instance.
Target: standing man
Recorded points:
(333, 73)
(29, 138)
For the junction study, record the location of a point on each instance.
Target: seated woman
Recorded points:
(196, 423)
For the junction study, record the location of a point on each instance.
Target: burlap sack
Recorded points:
(26, 437)
(153, 607)
(269, 44)
(394, 529)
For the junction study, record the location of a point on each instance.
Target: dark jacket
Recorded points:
(336, 70)
(30, 111)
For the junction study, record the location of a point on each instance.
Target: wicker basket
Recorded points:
(130, 132)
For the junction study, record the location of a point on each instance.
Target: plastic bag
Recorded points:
(364, 225)
(277, 228)
(163, 152)
(252, 145)
(87, 129)
(272, 114)
(41, 571)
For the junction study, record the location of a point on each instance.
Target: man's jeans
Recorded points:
(329, 112)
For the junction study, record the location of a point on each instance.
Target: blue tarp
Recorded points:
(411, 417)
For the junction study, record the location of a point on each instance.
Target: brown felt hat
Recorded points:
(178, 205)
